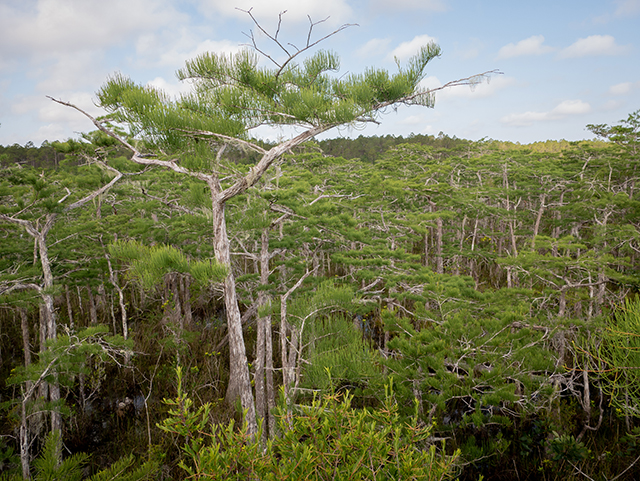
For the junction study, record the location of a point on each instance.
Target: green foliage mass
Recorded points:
(150, 264)
(327, 439)
(617, 349)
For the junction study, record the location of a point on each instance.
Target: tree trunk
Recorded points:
(439, 258)
(265, 394)
(24, 326)
(426, 247)
(113, 277)
(24, 426)
(176, 315)
(270, 389)
(259, 373)
(239, 380)
(69, 309)
(556, 230)
(439, 235)
(562, 302)
(93, 313)
(185, 289)
(601, 291)
(514, 246)
(101, 305)
(25, 460)
(50, 320)
(536, 226)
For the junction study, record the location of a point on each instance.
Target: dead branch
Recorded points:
(274, 38)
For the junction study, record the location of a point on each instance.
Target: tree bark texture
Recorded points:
(239, 380)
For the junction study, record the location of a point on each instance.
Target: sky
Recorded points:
(564, 63)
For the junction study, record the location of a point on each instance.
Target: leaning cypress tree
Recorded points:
(232, 94)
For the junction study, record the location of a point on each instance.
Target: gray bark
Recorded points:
(239, 380)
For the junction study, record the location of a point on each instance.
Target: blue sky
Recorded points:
(565, 63)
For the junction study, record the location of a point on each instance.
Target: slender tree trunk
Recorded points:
(239, 380)
(514, 246)
(562, 302)
(439, 257)
(426, 247)
(24, 425)
(536, 226)
(601, 290)
(80, 307)
(259, 373)
(25, 459)
(176, 315)
(270, 389)
(50, 319)
(101, 305)
(556, 230)
(43, 389)
(265, 394)
(93, 313)
(69, 309)
(24, 326)
(113, 278)
(185, 289)
(439, 235)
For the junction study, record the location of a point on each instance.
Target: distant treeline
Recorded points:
(364, 148)
(44, 156)
(367, 149)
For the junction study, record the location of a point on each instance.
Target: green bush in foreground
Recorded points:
(325, 440)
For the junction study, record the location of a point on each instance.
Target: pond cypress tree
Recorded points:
(233, 94)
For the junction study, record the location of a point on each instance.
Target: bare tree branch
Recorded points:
(171, 204)
(137, 156)
(101, 190)
(274, 39)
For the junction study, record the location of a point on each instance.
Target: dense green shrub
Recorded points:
(327, 439)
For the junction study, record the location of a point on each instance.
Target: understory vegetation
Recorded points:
(439, 309)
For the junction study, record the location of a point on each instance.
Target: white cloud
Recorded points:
(174, 90)
(188, 49)
(564, 109)
(373, 47)
(81, 69)
(623, 88)
(56, 121)
(407, 49)
(49, 111)
(570, 107)
(593, 45)
(43, 27)
(529, 46)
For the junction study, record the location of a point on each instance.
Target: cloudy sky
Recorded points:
(565, 63)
